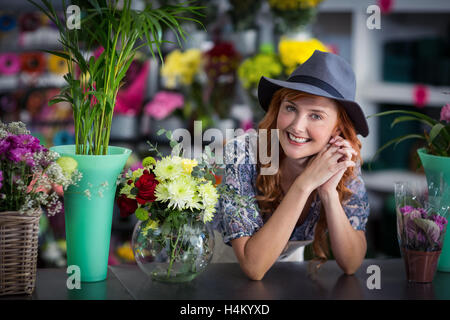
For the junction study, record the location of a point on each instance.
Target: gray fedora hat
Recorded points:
(323, 74)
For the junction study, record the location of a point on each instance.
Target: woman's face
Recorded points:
(306, 125)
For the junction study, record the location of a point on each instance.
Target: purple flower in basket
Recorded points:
(406, 209)
(440, 221)
(18, 154)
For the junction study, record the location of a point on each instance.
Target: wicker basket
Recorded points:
(18, 252)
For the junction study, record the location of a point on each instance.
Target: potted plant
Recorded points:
(421, 228)
(30, 179)
(91, 88)
(435, 158)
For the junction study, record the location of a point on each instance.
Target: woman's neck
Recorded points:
(293, 167)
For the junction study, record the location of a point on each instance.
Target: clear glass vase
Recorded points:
(173, 254)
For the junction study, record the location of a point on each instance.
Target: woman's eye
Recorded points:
(290, 108)
(316, 116)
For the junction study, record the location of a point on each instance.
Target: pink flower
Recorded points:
(445, 113)
(164, 104)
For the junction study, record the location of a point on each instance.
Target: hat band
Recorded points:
(317, 83)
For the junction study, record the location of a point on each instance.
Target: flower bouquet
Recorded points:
(174, 198)
(31, 178)
(421, 227)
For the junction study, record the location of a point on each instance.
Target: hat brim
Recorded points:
(267, 87)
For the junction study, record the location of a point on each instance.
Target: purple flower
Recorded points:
(17, 154)
(1, 179)
(445, 113)
(406, 209)
(5, 144)
(440, 221)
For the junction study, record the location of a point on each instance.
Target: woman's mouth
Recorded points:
(298, 141)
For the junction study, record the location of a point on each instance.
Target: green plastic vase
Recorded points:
(89, 209)
(437, 171)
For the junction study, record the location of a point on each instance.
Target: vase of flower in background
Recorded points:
(435, 160)
(29, 178)
(89, 209)
(92, 89)
(437, 171)
(421, 229)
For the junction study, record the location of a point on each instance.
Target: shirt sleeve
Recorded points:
(233, 220)
(357, 206)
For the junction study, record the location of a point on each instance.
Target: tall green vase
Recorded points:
(89, 209)
(437, 170)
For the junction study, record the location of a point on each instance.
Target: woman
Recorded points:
(317, 188)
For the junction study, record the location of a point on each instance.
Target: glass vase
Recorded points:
(170, 254)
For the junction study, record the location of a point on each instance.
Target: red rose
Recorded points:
(127, 206)
(146, 185)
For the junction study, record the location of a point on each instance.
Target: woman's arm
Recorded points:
(256, 254)
(349, 245)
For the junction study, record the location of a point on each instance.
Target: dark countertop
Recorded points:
(226, 281)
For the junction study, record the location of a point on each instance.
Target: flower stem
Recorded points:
(173, 255)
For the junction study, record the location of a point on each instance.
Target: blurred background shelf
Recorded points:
(399, 93)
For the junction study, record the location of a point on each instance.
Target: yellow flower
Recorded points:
(295, 52)
(125, 252)
(181, 68)
(150, 225)
(188, 165)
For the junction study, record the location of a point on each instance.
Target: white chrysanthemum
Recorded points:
(208, 213)
(168, 168)
(161, 192)
(182, 192)
(208, 194)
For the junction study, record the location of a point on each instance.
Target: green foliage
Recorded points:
(92, 83)
(437, 139)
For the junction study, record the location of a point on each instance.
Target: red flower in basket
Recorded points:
(146, 185)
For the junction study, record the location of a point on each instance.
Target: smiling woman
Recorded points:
(318, 190)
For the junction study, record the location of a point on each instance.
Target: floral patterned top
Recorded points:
(234, 221)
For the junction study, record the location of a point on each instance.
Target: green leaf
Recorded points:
(160, 132)
(407, 118)
(428, 120)
(435, 130)
(397, 141)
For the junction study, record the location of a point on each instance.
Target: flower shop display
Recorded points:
(166, 111)
(435, 157)
(29, 178)
(183, 72)
(221, 64)
(92, 87)
(293, 14)
(421, 228)
(174, 198)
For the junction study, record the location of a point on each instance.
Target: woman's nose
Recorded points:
(300, 123)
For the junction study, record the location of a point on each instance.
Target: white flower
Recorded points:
(168, 168)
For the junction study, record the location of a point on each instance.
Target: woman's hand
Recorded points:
(329, 163)
(346, 151)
